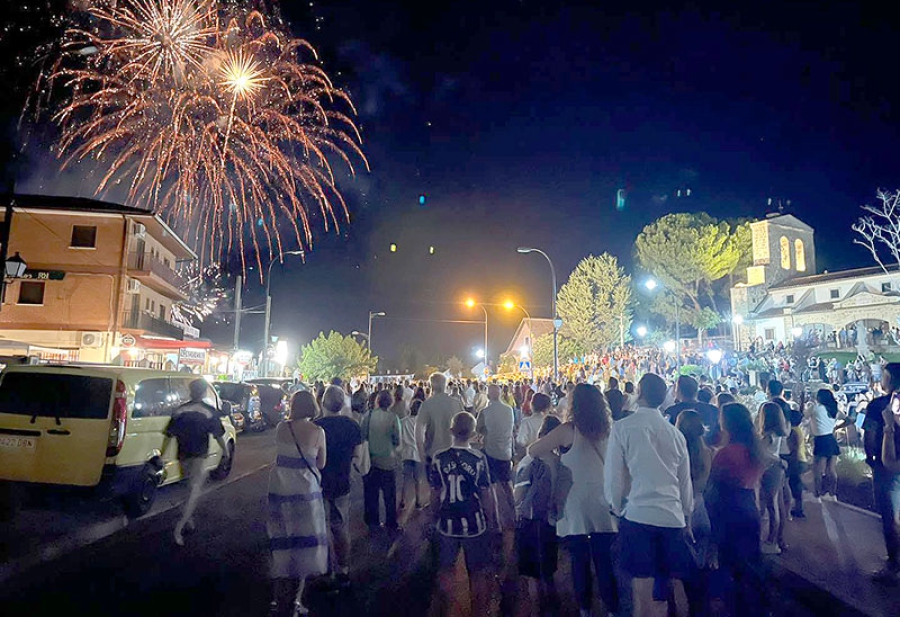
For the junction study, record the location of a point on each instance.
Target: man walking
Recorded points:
(647, 481)
(192, 424)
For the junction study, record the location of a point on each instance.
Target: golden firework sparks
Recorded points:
(225, 130)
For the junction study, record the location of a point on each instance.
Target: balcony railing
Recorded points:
(154, 325)
(145, 262)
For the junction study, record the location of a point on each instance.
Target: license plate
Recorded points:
(19, 443)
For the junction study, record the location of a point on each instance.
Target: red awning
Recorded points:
(154, 343)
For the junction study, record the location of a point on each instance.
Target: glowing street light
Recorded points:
(797, 331)
(479, 353)
(669, 346)
(641, 331)
(651, 284)
(714, 355)
(737, 320)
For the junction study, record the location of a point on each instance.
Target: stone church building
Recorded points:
(785, 298)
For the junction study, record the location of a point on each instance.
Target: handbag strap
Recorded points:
(315, 472)
(596, 449)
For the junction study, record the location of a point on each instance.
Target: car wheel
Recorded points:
(224, 469)
(139, 501)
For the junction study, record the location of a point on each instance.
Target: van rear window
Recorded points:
(46, 395)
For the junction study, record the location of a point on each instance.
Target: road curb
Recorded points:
(99, 531)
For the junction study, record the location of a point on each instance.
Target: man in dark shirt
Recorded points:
(686, 390)
(342, 438)
(192, 424)
(885, 482)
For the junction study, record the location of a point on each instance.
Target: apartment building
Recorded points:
(99, 287)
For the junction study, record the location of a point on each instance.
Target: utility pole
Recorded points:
(264, 358)
(238, 308)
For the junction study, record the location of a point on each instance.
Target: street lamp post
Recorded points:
(525, 250)
(651, 285)
(736, 322)
(471, 304)
(372, 315)
(264, 361)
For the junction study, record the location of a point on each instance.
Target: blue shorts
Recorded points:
(648, 551)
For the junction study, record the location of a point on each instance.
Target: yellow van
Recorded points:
(98, 426)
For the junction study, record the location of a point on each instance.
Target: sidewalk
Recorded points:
(835, 548)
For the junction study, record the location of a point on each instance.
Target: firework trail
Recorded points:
(211, 117)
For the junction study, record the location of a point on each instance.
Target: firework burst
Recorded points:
(212, 119)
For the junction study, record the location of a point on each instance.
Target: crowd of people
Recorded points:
(664, 494)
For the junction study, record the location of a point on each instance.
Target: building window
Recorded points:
(162, 312)
(84, 237)
(789, 299)
(31, 292)
(885, 287)
(147, 304)
(799, 255)
(785, 254)
(769, 334)
(835, 294)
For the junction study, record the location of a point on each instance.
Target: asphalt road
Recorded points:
(136, 569)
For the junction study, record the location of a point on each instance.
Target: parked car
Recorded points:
(245, 404)
(101, 427)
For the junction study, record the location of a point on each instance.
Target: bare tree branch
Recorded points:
(880, 231)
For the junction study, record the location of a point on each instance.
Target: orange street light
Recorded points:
(509, 305)
(470, 303)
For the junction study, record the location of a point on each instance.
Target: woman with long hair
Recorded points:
(731, 502)
(771, 427)
(298, 537)
(526, 401)
(823, 421)
(585, 523)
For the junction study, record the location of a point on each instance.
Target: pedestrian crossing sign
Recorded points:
(524, 365)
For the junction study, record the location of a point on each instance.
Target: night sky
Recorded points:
(519, 120)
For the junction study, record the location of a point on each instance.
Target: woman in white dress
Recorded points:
(586, 523)
(298, 537)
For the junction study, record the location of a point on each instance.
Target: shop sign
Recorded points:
(188, 355)
(128, 340)
(44, 275)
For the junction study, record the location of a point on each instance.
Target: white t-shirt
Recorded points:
(496, 423)
(408, 449)
(820, 423)
(529, 429)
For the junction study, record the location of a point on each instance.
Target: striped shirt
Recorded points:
(460, 473)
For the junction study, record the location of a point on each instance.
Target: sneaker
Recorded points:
(798, 514)
(770, 548)
(888, 574)
(179, 538)
(829, 497)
